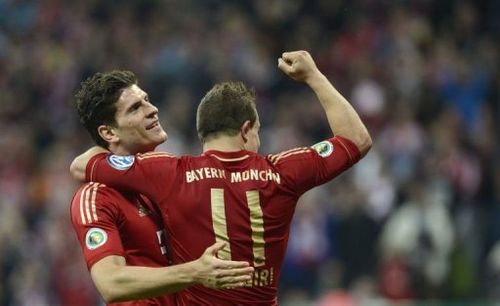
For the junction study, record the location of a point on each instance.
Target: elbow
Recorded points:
(76, 172)
(107, 291)
(111, 296)
(108, 297)
(109, 279)
(111, 292)
(365, 145)
(73, 170)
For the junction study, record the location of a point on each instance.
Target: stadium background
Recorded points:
(416, 221)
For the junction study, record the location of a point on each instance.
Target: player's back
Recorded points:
(240, 197)
(236, 197)
(111, 223)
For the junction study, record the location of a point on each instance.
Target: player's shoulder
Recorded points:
(291, 154)
(125, 162)
(92, 187)
(94, 200)
(321, 149)
(97, 193)
(155, 156)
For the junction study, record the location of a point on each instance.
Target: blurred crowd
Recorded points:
(417, 220)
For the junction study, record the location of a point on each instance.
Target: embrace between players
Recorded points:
(158, 229)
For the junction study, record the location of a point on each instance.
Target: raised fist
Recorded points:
(298, 65)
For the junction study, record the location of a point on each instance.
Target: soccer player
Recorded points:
(230, 193)
(122, 234)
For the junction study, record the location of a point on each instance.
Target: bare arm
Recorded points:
(343, 119)
(79, 164)
(118, 282)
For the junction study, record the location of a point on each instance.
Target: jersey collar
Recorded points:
(229, 156)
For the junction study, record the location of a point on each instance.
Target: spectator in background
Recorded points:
(416, 241)
(410, 51)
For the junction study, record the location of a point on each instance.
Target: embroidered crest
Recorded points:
(121, 162)
(95, 238)
(324, 148)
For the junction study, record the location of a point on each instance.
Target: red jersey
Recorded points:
(240, 197)
(107, 223)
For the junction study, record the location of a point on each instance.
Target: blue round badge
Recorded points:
(121, 162)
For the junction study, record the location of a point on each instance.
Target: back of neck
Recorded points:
(224, 144)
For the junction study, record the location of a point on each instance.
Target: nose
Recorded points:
(151, 110)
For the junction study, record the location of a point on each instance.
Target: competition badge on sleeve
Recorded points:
(95, 238)
(121, 162)
(324, 148)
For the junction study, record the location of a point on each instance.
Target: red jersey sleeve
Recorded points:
(95, 218)
(307, 167)
(150, 174)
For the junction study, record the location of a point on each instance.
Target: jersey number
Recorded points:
(256, 222)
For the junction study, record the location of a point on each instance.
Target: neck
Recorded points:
(225, 144)
(121, 150)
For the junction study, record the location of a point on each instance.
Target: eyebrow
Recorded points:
(129, 109)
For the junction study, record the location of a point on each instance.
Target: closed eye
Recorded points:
(134, 107)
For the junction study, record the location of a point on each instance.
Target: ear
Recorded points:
(107, 133)
(245, 128)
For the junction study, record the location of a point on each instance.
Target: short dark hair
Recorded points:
(224, 109)
(97, 97)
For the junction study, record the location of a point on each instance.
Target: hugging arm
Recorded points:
(118, 282)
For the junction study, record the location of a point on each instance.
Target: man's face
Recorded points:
(138, 128)
(253, 142)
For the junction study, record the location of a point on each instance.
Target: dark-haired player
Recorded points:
(122, 234)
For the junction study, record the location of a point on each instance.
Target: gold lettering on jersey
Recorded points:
(204, 173)
(236, 177)
(219, 221)
(257, 224)
(261, 277)
(199, 172)
(255, 175)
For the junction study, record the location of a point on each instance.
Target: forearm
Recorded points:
(123, 283)
(342, 118)
(79, 164)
